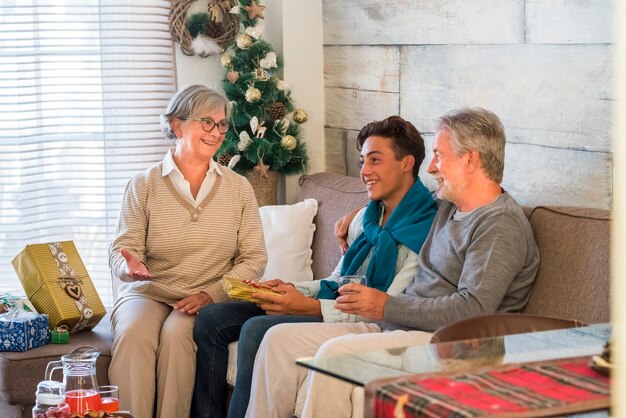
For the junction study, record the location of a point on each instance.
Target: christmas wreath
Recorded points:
(207, 33)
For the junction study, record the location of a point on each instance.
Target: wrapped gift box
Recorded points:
(57, 283)
(23, 332)
(16, 300)
(60, 335)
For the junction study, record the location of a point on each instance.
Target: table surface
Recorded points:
(359, 368)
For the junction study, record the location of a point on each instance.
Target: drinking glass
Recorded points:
(360, 279)
(109, 398)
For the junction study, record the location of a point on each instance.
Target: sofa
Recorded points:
(573, 279)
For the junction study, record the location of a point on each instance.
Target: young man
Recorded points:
(480, 257)
(386, 235)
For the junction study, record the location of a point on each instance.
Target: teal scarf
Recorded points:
(408, 224)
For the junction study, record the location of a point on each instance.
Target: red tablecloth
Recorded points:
(522, 390)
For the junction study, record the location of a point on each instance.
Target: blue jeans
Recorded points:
(250, 338)
(216, 327)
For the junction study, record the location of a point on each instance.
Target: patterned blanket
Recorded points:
(522, 390)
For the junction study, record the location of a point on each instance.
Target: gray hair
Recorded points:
(189, 102)
(481, 130)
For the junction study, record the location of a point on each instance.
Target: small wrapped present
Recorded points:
(57, 283)
(21, 331)
(60, 335)
(15, 300)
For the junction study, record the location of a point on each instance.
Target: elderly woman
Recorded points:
(185, 223)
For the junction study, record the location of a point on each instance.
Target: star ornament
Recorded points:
(254, 10)
(261, 169)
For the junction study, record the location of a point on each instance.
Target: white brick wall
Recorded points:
(544, 66)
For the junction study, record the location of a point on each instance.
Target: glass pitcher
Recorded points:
(79, 378)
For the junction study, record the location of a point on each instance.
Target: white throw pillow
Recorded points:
(288, 231)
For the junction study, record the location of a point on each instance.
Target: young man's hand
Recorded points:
(357, 299)
(289, 302)
(272, 282)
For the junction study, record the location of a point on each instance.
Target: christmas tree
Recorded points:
(265, 125)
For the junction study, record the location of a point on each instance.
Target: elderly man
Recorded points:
(480, 257)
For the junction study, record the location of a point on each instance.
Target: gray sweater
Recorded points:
(475, 263)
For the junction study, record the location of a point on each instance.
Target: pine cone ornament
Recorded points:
(224, 159)
(213, 30)
(277, 111)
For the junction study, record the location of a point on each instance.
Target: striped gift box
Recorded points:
(57, 283)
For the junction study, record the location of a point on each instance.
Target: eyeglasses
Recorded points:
(208, 124)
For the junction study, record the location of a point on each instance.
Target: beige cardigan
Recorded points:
(188, 249)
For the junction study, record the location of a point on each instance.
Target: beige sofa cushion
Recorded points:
(336, 196)
(573, 279)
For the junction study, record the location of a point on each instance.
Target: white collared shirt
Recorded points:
(182, 185)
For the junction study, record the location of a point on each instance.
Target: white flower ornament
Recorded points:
(244, 141)
(269, 61)
(254, 124)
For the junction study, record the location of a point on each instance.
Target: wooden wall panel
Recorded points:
(366, 67)
(335, 147)
(569, 21)
(403, 22)
(352, 109)
(353, 155)
(550, 95)
(341, 153)
(544, 66)
(537, 175)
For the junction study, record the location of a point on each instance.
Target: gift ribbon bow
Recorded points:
(72, 286)
(62, 329)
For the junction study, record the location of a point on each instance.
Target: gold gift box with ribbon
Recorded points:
(57, 283)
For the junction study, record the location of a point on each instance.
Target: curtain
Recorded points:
(82, 84)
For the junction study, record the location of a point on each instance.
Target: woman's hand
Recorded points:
(135, 269)
(192, 304)
(289, 301)
(341, 229)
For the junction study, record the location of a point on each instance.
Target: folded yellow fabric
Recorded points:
(237, 289)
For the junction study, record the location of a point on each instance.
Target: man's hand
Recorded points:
(361, 300)
(135, 269)
(192, 304)
(341, 229)
(289, 302)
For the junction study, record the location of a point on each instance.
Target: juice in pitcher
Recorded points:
(81, 400)
(79, 378)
